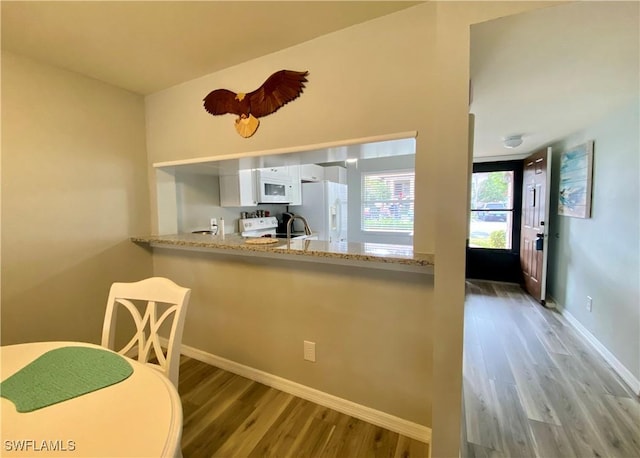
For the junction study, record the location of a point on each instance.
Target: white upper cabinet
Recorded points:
(296, 191)
(336, 174)
(276, 172)
(238, 190)
(242, 189)
(311, 172)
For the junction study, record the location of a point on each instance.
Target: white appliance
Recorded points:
(258, 227)
(264, 227)
(274, 189)
(324, 205)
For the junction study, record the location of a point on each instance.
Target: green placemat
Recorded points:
(62, 374)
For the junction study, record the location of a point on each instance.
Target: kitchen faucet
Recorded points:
(307, 230)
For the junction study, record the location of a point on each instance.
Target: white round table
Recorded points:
(138, 417)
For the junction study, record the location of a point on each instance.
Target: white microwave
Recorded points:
(273, 189)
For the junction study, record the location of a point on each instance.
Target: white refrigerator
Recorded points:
(324, 206)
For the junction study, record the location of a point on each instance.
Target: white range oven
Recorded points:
(266, 227)
(258, 227)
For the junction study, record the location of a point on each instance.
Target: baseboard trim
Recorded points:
(373, 416)
(609, 357)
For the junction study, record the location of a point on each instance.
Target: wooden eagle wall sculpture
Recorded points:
(279, 89)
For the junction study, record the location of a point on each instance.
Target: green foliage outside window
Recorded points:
(494, 188)
(376, 188)
(388, 201)
(497, 239)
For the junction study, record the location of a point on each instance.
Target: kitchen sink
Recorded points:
(294, 235)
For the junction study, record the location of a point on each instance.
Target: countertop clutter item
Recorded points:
(261, 241)
(298, 225)
(213, 228)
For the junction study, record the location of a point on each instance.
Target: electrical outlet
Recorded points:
(589, 303)
(310, 351)
(213, 225)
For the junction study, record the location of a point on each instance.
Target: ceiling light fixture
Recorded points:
(513, 141)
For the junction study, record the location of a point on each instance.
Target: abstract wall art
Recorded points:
(576, 169)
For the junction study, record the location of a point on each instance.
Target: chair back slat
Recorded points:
(153, 291)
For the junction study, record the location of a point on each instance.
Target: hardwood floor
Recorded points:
(226, 415)
(533, 388)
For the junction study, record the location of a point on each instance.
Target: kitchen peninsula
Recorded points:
(372, 255)
(361, 298)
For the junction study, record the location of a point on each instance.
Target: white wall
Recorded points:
(74, 189)
(599, 256)
(197, 200)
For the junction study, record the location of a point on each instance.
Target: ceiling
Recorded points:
(543, 74)
(147, 46)
(549, 73)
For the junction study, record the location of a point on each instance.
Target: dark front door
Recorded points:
(493, 250)
(535, 215)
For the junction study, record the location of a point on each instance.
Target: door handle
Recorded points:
(540, 235)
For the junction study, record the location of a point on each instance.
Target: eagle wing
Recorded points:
(223, 101)
(279, 89)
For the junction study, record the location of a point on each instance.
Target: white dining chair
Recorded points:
(153, 291)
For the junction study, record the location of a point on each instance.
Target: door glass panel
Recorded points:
(491, 219)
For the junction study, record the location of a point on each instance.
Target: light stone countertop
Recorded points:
(373, 255)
